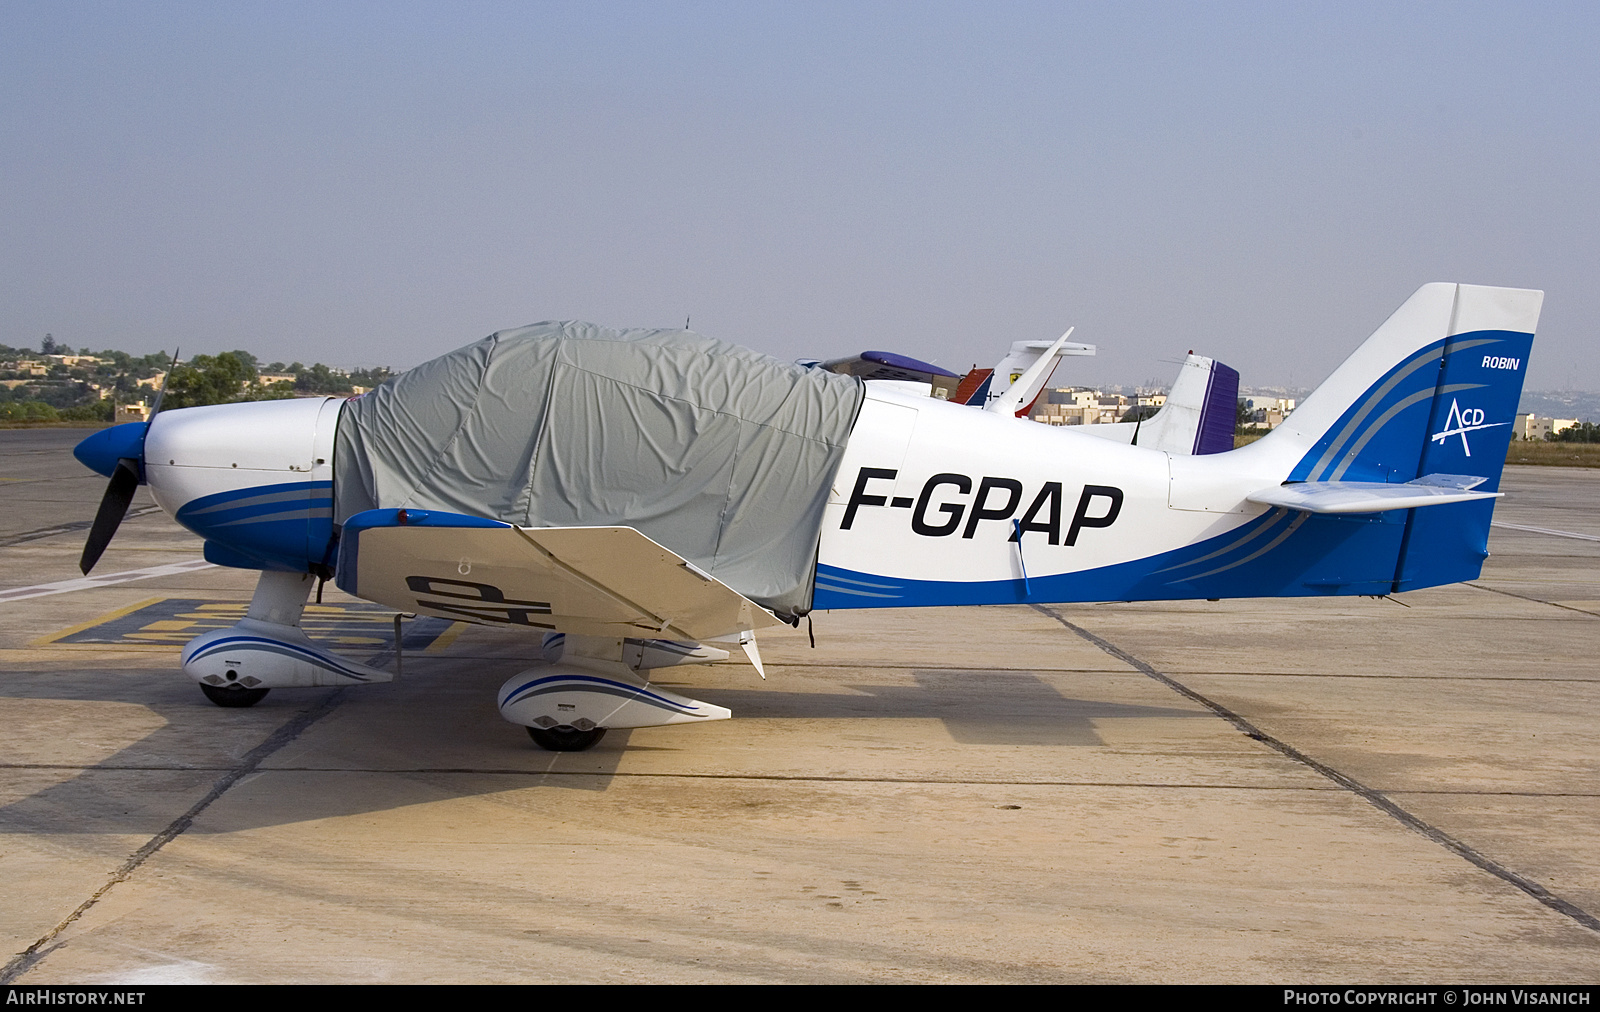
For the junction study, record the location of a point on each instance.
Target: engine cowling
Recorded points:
(255, 480)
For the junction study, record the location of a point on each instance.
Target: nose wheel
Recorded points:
(233, 697)
(565, 738)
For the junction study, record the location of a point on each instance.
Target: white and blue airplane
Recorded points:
(1383, 481)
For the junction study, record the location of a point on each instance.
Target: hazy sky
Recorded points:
(378, 183)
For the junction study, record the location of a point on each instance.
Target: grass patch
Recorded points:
(1554, 454)
(55, 425)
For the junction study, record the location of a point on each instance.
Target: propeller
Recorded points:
(117, 453)
(113, 507)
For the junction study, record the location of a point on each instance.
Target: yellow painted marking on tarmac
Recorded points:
(443, 640)
(110, 616)
(112, 649)
(334, 625)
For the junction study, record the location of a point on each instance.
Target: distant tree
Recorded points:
(1246, 421)
(48, 346)
(319, 379)
(94, 411)
(371, 377)
(1583, 432)
(27, 411)
(207, 379)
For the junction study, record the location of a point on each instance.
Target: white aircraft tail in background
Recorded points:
(986, 388)
(1197, 418)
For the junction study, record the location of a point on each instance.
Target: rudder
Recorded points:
(1433, 391)
(1481, 373)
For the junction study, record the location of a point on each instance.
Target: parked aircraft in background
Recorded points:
(1016, 381)
(640, 498)
(1197, 418)
(982, 388)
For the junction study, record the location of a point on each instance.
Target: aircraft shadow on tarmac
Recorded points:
(435, 735)
(978, 707)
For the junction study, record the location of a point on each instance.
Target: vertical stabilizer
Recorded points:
(1372, 420)
(1219, 411)
(1198, 417)
(1433, 391)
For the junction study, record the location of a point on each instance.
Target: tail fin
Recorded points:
(1015, 365)
(1433, 391)
(1198, 417)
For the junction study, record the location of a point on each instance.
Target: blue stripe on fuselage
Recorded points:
(1279, 554)
(285, 525)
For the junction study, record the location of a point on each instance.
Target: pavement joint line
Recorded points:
(68, 528)
(785, 778)
(779, 665)
(797, 778)
(1373, 797)
(1390, 678)
(104, 580)
(1535, 600)
(1544, 530)
(286, 733)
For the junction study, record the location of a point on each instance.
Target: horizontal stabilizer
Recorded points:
(1372, 496)
(595, 581)
(1025, 388)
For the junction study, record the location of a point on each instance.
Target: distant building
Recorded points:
(137, 412)
(1267, 411)
(1532, 427)
(1081, 406)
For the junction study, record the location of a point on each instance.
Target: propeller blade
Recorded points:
(113, 507)
(156, 406)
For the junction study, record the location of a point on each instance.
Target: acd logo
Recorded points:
(1459, 422)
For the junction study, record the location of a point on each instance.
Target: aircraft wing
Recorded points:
(886, 365)
(1371, 496)
(593, 581)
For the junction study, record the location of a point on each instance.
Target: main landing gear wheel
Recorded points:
(233, 697)
(565, 738)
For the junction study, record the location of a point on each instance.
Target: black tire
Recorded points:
(564, 738)
(233, 697)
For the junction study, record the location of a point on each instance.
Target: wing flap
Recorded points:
(595, 581)
(1372, 497)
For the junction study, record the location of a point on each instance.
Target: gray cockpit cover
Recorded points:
(721, 454)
